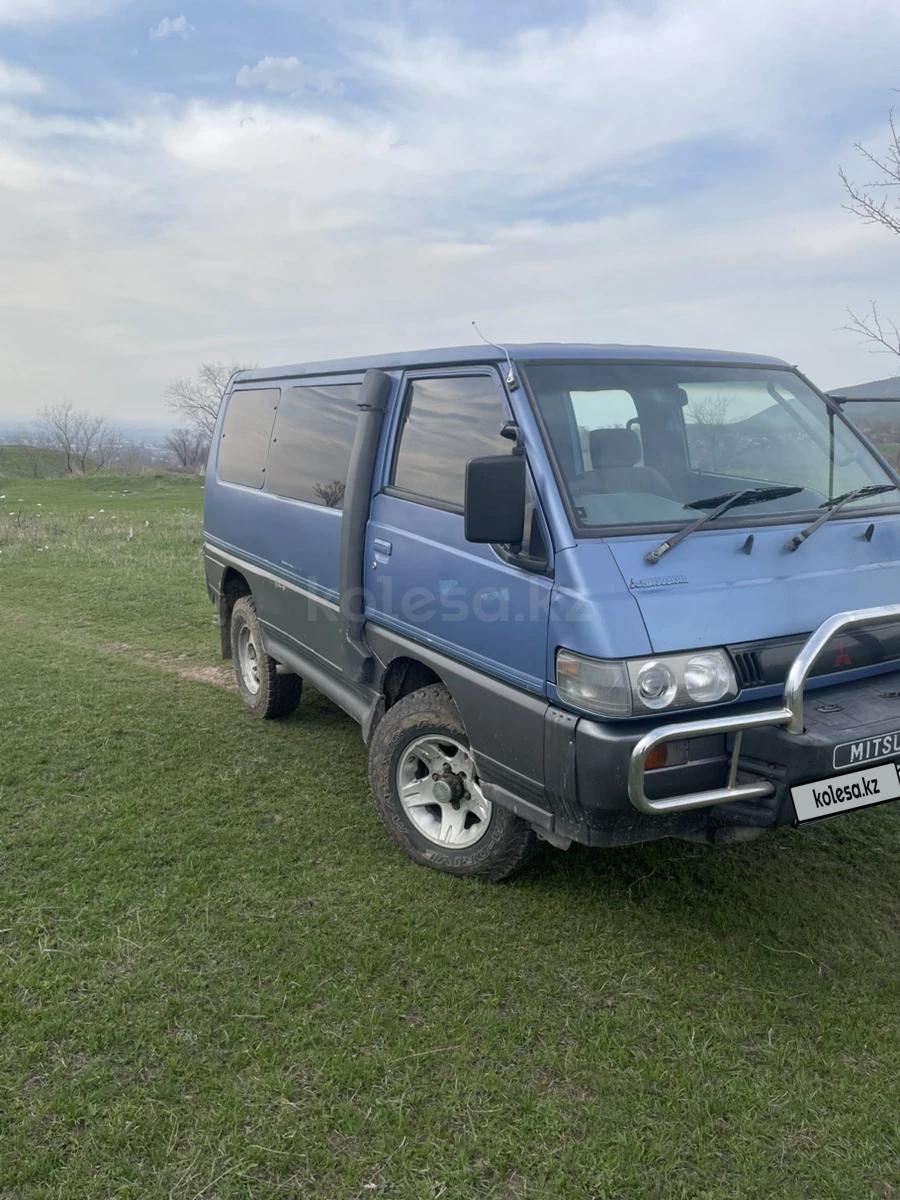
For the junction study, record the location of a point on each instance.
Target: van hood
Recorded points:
(717, 589)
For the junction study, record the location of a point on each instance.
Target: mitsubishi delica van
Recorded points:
(571, 593)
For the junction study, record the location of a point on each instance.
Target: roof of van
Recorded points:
(527, 352)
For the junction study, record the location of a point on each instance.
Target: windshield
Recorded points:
(637, 444)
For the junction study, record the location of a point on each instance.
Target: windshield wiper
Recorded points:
(718, 505)
(833, 506)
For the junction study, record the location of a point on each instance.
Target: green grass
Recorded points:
(30, 462)
(218, 978)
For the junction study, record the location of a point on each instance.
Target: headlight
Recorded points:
(656, 684)
(708, 677)
(617, 688)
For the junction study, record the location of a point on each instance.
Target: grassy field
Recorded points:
(29, 462)
(219, 979)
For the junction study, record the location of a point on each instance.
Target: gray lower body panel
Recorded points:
(565, 774)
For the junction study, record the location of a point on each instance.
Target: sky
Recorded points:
(276, 181)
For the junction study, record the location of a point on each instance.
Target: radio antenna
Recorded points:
(511, 381)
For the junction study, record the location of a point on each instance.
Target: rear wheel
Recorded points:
(428, 794)
(264, 691)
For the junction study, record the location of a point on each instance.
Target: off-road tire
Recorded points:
(508, 843)
(277, 695)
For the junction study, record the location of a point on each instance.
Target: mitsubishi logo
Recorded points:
(842, 658)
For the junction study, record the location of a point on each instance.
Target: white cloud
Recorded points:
(19, 81)
(171, 27)
(27, 13)
(558, 104)
(287, 75)
(540, 187)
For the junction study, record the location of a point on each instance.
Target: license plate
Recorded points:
(860, 789)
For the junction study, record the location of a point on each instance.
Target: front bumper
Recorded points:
(742, 761)
(787, 721)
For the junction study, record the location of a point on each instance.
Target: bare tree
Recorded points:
(197, 398)
(85, 440)
(875, 328)
(54, 429)
(705, 423)
(331, 494)
(872, 201)
(711, 411)
(188, 447)
(876, 203)
(95, 442)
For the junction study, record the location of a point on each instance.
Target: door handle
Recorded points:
(381, 551)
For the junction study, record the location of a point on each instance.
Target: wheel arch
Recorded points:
(405, 674)
(234, 585)
(505, 725)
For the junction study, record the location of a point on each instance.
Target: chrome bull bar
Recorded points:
(789, 714)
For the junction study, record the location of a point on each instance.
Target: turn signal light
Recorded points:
(658, 757)
(667, 754)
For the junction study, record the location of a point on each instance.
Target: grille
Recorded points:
(749, 668)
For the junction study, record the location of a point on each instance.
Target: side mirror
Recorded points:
(495, 499)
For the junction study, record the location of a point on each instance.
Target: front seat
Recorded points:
(615, 454)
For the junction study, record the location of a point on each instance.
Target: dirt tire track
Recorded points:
(172, 664)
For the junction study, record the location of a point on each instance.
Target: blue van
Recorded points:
(599, 594)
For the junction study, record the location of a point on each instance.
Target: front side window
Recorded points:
(311, 443)
(244, 441)
(638, 444)
(447, 421)
(880, 422)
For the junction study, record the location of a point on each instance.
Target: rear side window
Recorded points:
(311, 443)
(245, 436)
(447, 422)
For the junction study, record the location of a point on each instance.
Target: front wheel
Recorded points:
(427, 792)
(264, 691)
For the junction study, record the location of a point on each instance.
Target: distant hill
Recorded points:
(873, 412)
(30, 462)
(878, 389)
(151, 431)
